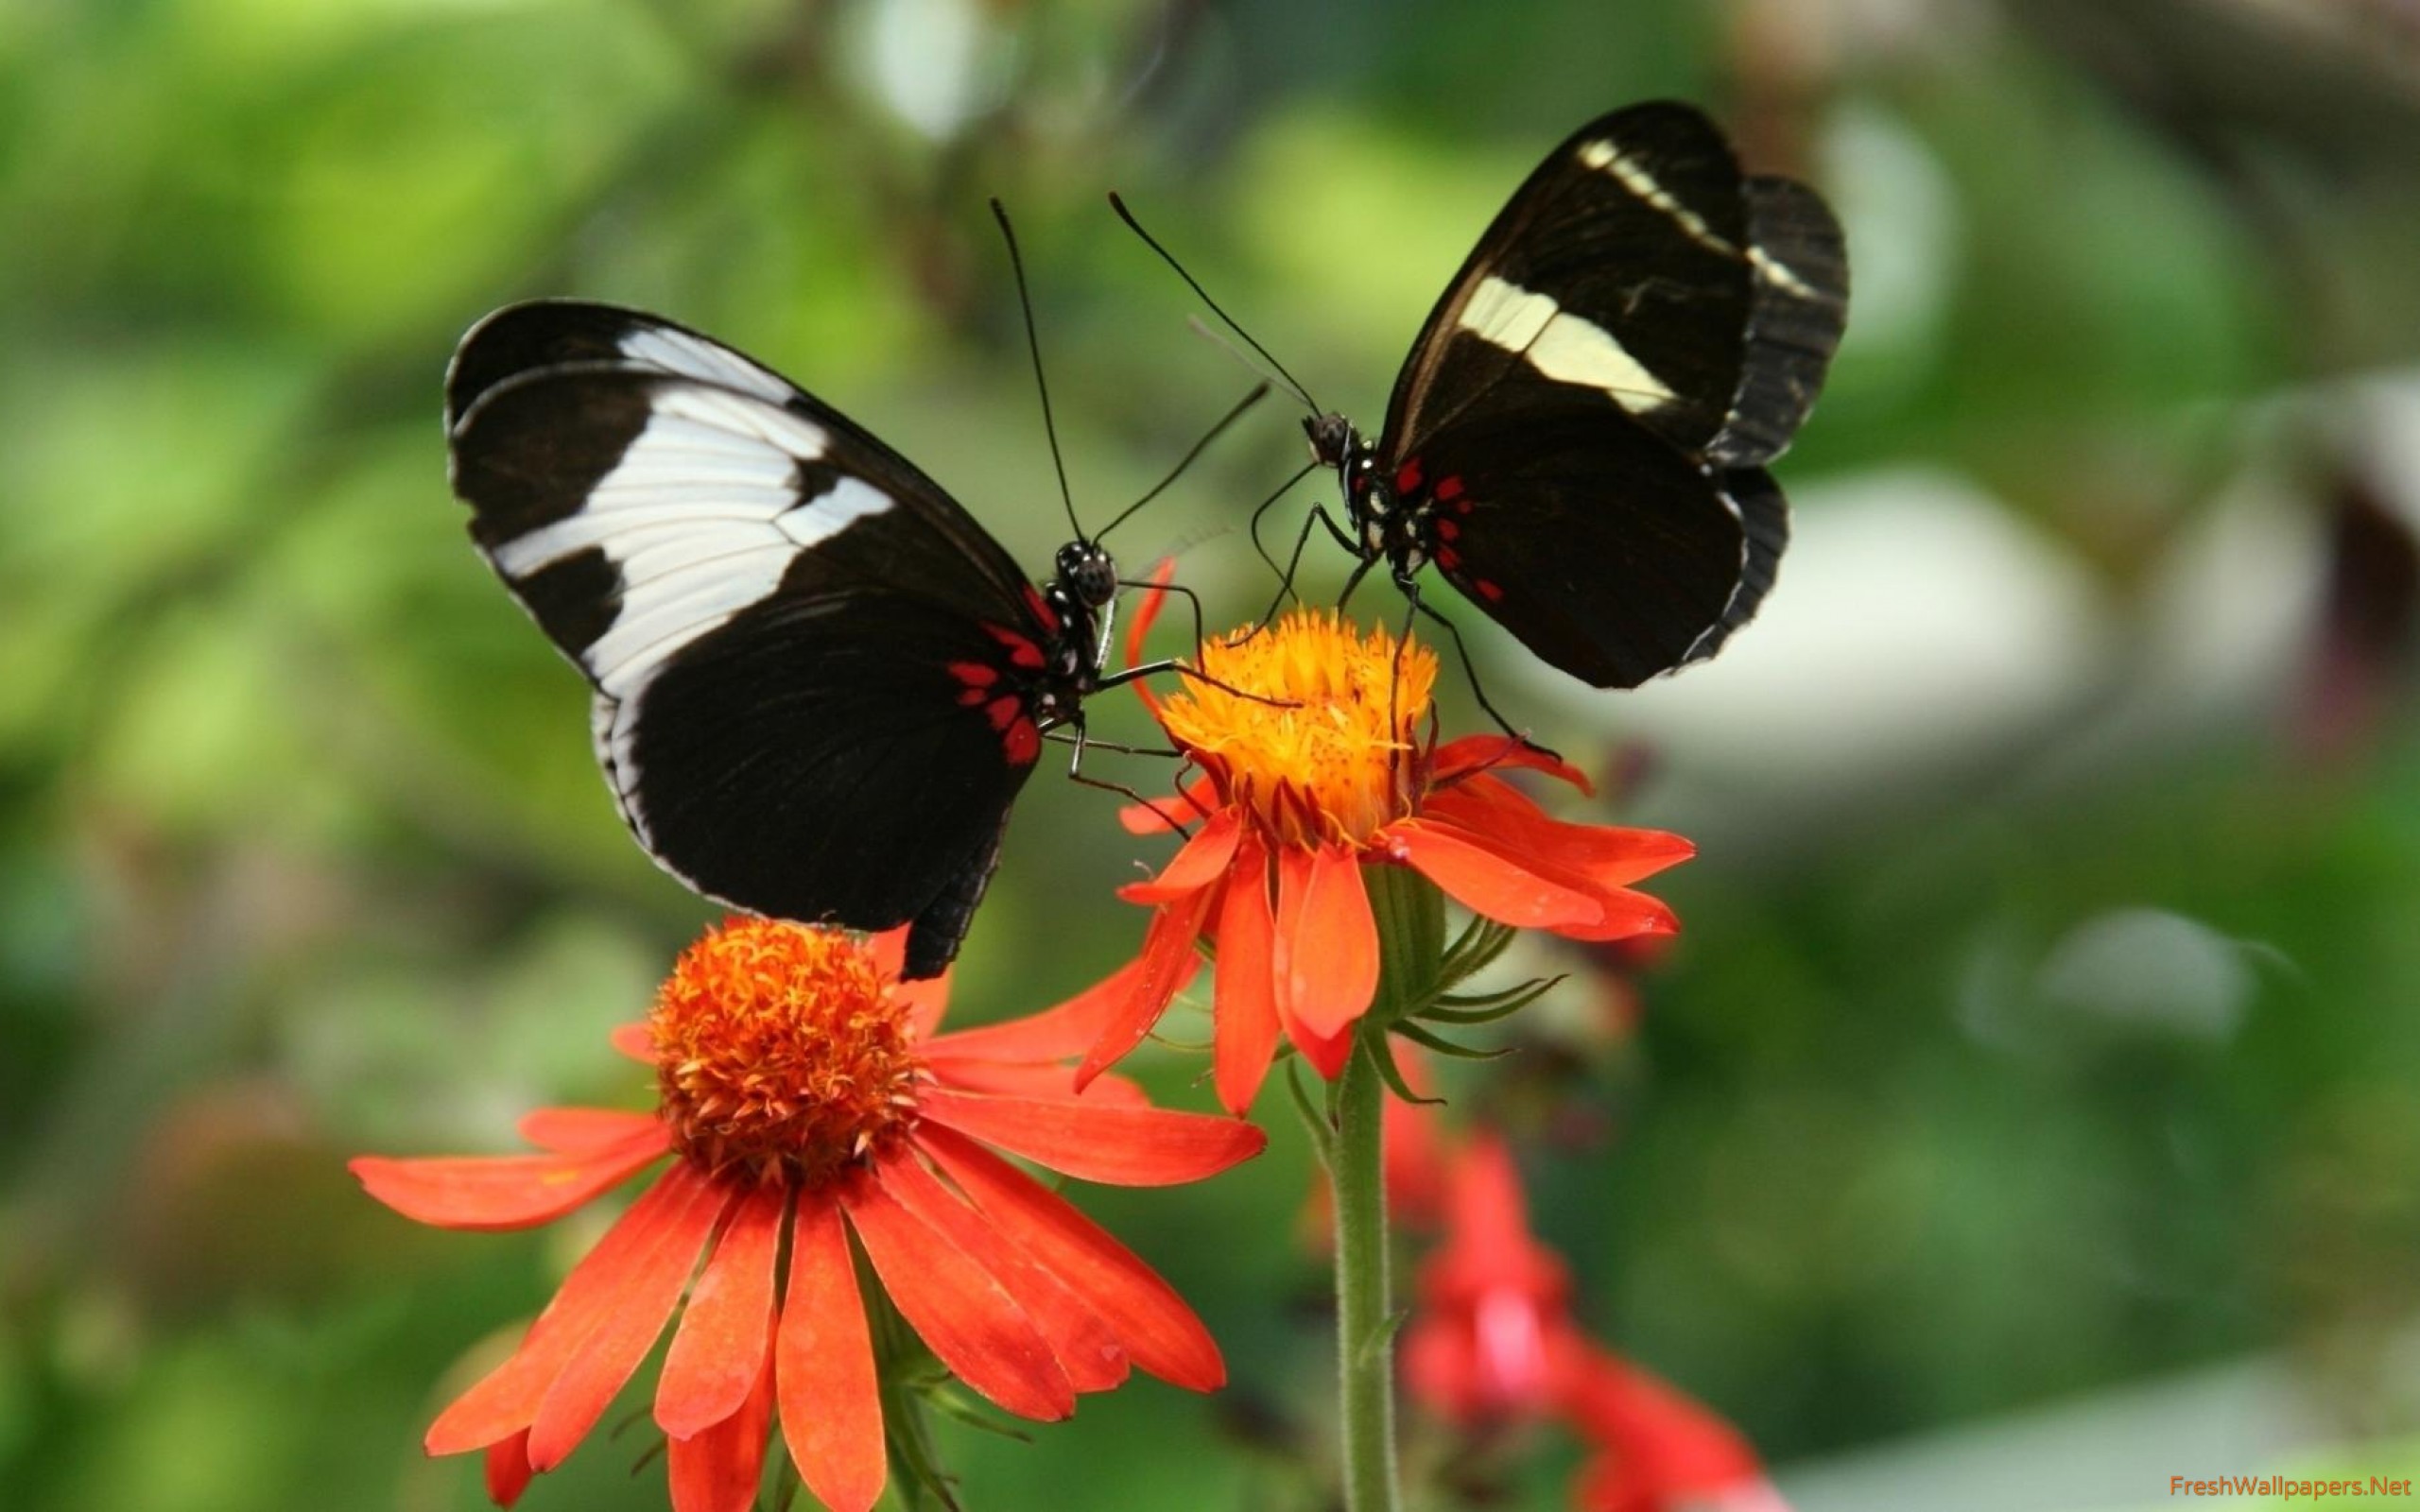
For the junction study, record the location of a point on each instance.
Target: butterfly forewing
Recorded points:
(806, 656)
(543, 334)
(1619, 266)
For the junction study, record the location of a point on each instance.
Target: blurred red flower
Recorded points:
(805, 1096)
(1492, 1343)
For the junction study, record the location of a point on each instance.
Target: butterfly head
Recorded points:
(1085, 571)
(1336, 444)
(1333, 439)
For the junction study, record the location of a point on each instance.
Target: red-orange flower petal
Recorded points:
(1054, 1033)
(503, 1402)
(965, 1317)
(1084, 1344)
(1147, 614)
(1606, 855)
(1017, 1078)
(508, 1468)
(823, 1370)
(1479, 753)
(926, 999)
(1327, 1053)
(1200, 864)
(1198, 799)
(1483, 879)
(494, 1193)
(726, 1334)
(1244, 1001)
(717, 1470)
(635, 1040)
(1160, 1333)
(581, 1130)
(1119, 1146)
(648, 1291)
(1169, 962)
(1628, 913)
(1326, 956)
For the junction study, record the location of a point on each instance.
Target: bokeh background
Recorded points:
(2030, 1111)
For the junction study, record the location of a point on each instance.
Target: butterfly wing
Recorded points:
(1639, 330)
(804, 653)
(1523, 526)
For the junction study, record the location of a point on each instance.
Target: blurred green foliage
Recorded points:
(2082, 1055)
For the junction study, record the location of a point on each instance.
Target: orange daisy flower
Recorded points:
(1322, 774)
(803, 1097)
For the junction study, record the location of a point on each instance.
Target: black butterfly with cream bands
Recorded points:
(1576, 442)
(820, 683)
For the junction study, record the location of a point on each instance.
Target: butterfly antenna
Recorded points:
(1259, 392)
(1166, 256)
(1033, 345)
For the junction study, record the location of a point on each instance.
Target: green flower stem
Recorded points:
(1411, 920)
(907, 1434)
(1364, 1332)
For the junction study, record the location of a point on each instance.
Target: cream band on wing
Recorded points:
(1561, 345)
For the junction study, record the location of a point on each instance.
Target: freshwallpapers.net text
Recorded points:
(2286, 1487)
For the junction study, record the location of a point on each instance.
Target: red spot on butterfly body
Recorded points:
(1488, 590)
(1447, 530)
(1449, 559)
(1042, 610)
(1449, 488)
(974, 674)
(1004, 712)
(1022, 742)
(1022, 651)
(1408, 476)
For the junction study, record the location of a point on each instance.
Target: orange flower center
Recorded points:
(1327, 757)
(781, 1050)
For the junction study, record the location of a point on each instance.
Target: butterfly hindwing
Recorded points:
(1518, 487)
(1797, 308)
(813, 760)
(806, 654)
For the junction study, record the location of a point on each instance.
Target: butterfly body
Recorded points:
(819, 683)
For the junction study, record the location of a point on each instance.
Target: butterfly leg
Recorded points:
(1164, 752)
(1360, 572)
(1185, 669)
(1319, 515)
(1076, 774)
(1470, 671)
(1190, 597)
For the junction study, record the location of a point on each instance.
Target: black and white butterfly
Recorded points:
(818, 682)
(1577, 440)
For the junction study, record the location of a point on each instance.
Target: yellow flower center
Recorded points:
(1330, 755)
(781, 1050)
